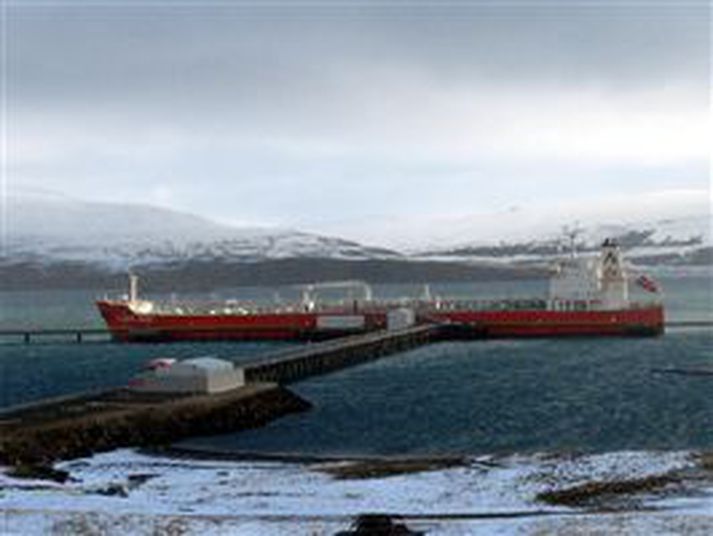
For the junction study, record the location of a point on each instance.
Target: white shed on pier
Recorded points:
(200, 375)
(400, 318)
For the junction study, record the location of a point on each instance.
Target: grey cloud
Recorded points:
(165, 56)
(286, 112)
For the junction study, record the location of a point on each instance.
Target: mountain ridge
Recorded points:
(47, 230)
(56, 240)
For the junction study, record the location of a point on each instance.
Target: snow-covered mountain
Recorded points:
(667, 241)
(45, 228)
(680, 212)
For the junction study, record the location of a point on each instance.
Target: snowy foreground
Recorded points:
(125, 492)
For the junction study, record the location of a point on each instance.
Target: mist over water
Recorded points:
(465, 397)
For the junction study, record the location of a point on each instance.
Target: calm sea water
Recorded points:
(471, 397)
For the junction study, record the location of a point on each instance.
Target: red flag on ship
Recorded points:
(648, 284)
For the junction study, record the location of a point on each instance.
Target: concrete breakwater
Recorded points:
(79, 426)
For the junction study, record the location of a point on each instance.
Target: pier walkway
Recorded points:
(55, 335)
(80, 424)
(320, 358)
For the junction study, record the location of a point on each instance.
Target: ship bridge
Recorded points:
(600, 280)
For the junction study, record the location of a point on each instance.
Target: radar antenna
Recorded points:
(571, 232)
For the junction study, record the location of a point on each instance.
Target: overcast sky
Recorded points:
(323, 115)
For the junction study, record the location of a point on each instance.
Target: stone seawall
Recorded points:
(76, 427)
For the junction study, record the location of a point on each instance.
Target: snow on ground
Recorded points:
(125, 492)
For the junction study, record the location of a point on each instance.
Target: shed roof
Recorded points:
(206, 363)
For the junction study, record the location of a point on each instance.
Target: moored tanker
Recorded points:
(588, 296)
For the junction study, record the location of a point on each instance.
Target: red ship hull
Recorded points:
(536, 323)
(127, 325)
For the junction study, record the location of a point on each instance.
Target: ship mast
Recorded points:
(571, 233)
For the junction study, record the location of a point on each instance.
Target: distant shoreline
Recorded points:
(212, 275)
(208, 276)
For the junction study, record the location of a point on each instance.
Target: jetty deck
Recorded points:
(28, 335)
(78, 425)
(321, 358)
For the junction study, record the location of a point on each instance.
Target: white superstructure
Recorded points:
(600, 282)
(612, 277)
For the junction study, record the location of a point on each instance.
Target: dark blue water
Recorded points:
(485, 396)
(478, 397)
(39, 370)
